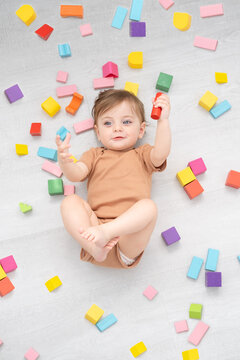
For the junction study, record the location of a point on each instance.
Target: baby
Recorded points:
(115, 225)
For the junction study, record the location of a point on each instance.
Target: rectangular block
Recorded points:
(211, 10)
(13, 93)
(62, 76)
(136, 10)
(105, 323)
(170, 236)
(55, 187)
(6, 286)
(47, 153)
(51, 106)
(44, 31)
(233, 179)
(64, 50)
(205, 43)
(221, 78)
(166, 3)
(150, 292)
(212, 260)
(119, 17)
(190, 354)
(71, 10)
(213, 279)
(66, 90)
(131, 87)
(69, 190)
(36, 129)
(52, 168)
(181, 326)
(53, 283)
(1, 342)
(137, 29)
(83, 125)
(102, 83)
(220, 109)
(86, 30)
(195, 267)
(198, 333)
(94, 314)
(21, 149)
(8, 263)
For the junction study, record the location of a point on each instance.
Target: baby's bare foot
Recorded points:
(96, 234)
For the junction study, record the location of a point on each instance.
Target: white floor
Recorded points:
(53, 323)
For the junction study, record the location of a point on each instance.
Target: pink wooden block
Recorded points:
(110, 69)
(166, 3)
(66, 90)
(86, 30)
(211, 10)
(31, 354)
(8, 263)
(198, 167)
(198, 333)
(52, 168)
(83, 126)
(205, 43)
(1, 342)
(150, 292)
(102, 83)
(181, 326)
(69, 190)
(62, 76)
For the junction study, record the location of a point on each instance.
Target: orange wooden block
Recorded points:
(71, 10)
(193, 189)
(233, 179)
(6, 286)
(74, 104)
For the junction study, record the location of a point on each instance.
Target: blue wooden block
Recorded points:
(220, 109)
(238, 258)
(64, 50)
(195, 267)
(62, 132)
(136, 10)
(119, 17)
(106, 322)
(47, 153)
(212, 260)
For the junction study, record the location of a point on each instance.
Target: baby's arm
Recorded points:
(73, 171)
(162, 144)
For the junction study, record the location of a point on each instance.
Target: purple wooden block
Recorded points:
(13, 93)
(213, 279)
(170, 236)
(137, 29)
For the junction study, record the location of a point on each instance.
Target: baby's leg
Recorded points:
(77, 213)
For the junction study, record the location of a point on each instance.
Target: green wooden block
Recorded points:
(164, 82)
(24, 207)
(195, 311)
(55, 187)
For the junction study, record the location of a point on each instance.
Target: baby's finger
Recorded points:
(58, 140)
(62, 148)
(67, 139)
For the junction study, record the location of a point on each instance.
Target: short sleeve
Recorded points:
(88, 158)
(144, 152)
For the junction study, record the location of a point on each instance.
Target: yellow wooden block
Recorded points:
(182, 21)
(135, 60)
(131, 87)
(221, 78)
(185, 176)
(51, 106)
(74, 159)
(208, 100)
(2, 273)
(27, 14)
(21, 149)
(138, 349)
(190, 354)
(94, 314)
(53, 283)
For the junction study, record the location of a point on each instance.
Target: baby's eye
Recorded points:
(129, 121)
(107, 123)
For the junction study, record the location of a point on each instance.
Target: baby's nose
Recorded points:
(117, 126)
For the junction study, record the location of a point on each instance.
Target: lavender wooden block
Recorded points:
(137, 29)
(170, 236)
(213, 279)
(13, 93)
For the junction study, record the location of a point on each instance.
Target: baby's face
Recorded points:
(119, 128)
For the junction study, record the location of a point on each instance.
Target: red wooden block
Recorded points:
(36, 129)
(193, 189)
(233, 179)
(6, 286)
(44, 31)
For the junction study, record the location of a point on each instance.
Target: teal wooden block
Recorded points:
(220, 109)
(212, 260)
(62, 132)
(106, 322)
(164, 82)
(195, 311)
(55, 187)
(136, 10)
(64, 50)
(119, 17)
(47, 153)
(195, 267)
(238, 258)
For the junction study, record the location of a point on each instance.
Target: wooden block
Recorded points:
(150, 292)
(47, 153)
(198, 333)
(66, 90)
(52, 168)
(131, 87)
(55, 187)
(2, 273)
(182, 21)
(195, 267)
(74, 104)
(13, 93)
(136, 10)
(53, 283)
(213, 279)
(8, 263)
(220, 109)
(44, 31)
(164, 82)
(110, 69)
(31, 354)
(64, 50)
(190, 354)
(21, 149)
(94, 314)
(166, 3)
(137, 29)
(50, 106)
(86, 30)
(197, 166)
(138, 349)
(36, 129)
(71, 10)
(1, 342)
(62, 132)
(102, 83)
(211, 10)
(6, 286)
(233, 179)
(27, 14)
(205, 43)
(62, 76)
(185, 176)
(212, 260)
(208, 100)
(105, 323)
(221, 78)
(135, 60)
(119, 17)
(181, 326)
(69, 190)
(74, 159)
(195, 311)
(25, 208)
(170, 236)
(83, 125)
(193, 189)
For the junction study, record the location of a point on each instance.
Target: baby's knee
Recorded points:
(150, 207)
(69, 201)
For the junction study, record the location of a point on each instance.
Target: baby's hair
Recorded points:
(109, 98)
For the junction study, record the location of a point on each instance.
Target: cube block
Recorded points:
(208, 100)
(52, 168)
(75, 103)
(138, 349)
(185, 176)
(21, 149)
(51, 106)
(137, 29)
(190, 354)
(164, 82)
(136, 10)
(110, 69)
(71, 10)
(47, 153)
(44, 31)
(195, 311)
(62, 76)
(205, 43)
(2, 273)
(166, 4)
(119, 17)
(69, 190)
(53, 283)
(198, 332)
(55, 187)
(62, 132)
(195, 267)
(131, 87)
(25, 207)
(233, 179)
(212, 260)
(197, 166)
(193, 189)
(150, 292)
(31, 354)
(86, 30)
(181, 326)
(94, 314)
(13, 93)
(170, 236)
(64, 50)
(105, 323)
(135, 60)
(220, 109)
(8, 263)
(36, 129)
(182, 21)
(6, 286)
(27, 14)
(221, 78)
(83, 125)
(211, 10)
(213, 279)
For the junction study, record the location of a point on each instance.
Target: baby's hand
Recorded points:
(163, 102)
(62, 147)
